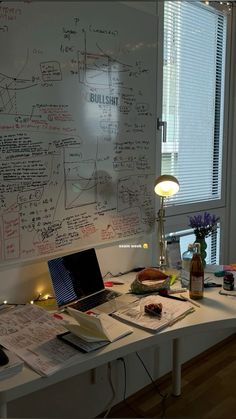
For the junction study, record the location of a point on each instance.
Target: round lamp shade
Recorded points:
(166, 185)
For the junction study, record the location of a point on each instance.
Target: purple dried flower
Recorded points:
(204, 225)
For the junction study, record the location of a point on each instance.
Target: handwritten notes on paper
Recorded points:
(77, 126)
(30, 332)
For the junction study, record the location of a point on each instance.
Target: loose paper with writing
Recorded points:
(30, 332)
(172, 310)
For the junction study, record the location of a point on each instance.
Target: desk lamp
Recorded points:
(165, 185)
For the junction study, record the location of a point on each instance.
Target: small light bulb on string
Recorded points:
(32, 302)
(5, 302)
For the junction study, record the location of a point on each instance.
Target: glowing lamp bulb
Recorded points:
(166, 185)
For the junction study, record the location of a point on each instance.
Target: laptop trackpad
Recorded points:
(116, 303)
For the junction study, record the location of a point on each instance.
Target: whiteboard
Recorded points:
(77, 126)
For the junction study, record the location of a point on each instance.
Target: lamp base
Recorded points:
(162, 267)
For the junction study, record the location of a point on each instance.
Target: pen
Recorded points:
(172, 296)
(117, 282)
(176, 290)
(190, 301)
(211, 285)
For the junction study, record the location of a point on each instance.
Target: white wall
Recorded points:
(23, 282)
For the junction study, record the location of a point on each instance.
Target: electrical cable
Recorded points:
(123, 273)
(124, 366)
(114, 275)
(110, 404)
(149, 375)
(124, 392)
(163, 396)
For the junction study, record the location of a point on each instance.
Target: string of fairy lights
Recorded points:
(41, 298)
(225, 6)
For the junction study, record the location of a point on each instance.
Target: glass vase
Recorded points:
(203, 246)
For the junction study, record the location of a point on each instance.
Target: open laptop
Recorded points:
(78, 283)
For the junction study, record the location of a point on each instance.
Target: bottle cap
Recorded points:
(197, 247)
(191, 246)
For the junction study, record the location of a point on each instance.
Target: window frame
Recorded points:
(177, 215)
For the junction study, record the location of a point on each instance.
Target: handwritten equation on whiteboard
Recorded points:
(77, 126)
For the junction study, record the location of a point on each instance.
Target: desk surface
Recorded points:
(215, 312)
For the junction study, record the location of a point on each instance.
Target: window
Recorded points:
(194, 55)
(193, 93)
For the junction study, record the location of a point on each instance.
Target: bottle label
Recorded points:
(228, 283)
(197, 283)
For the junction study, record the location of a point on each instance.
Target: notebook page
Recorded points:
(172, 310)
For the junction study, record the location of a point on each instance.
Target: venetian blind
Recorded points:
(193, 92)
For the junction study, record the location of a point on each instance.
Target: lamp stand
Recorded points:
(161, 235)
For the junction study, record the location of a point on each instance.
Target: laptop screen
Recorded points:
(75, 276)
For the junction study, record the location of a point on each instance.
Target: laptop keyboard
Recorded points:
(95, 300)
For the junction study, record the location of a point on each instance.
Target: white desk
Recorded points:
(217, 312)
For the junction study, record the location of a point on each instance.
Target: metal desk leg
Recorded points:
(176, 368)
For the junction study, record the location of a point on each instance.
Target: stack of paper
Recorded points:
(30, 332)
(172, 311)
